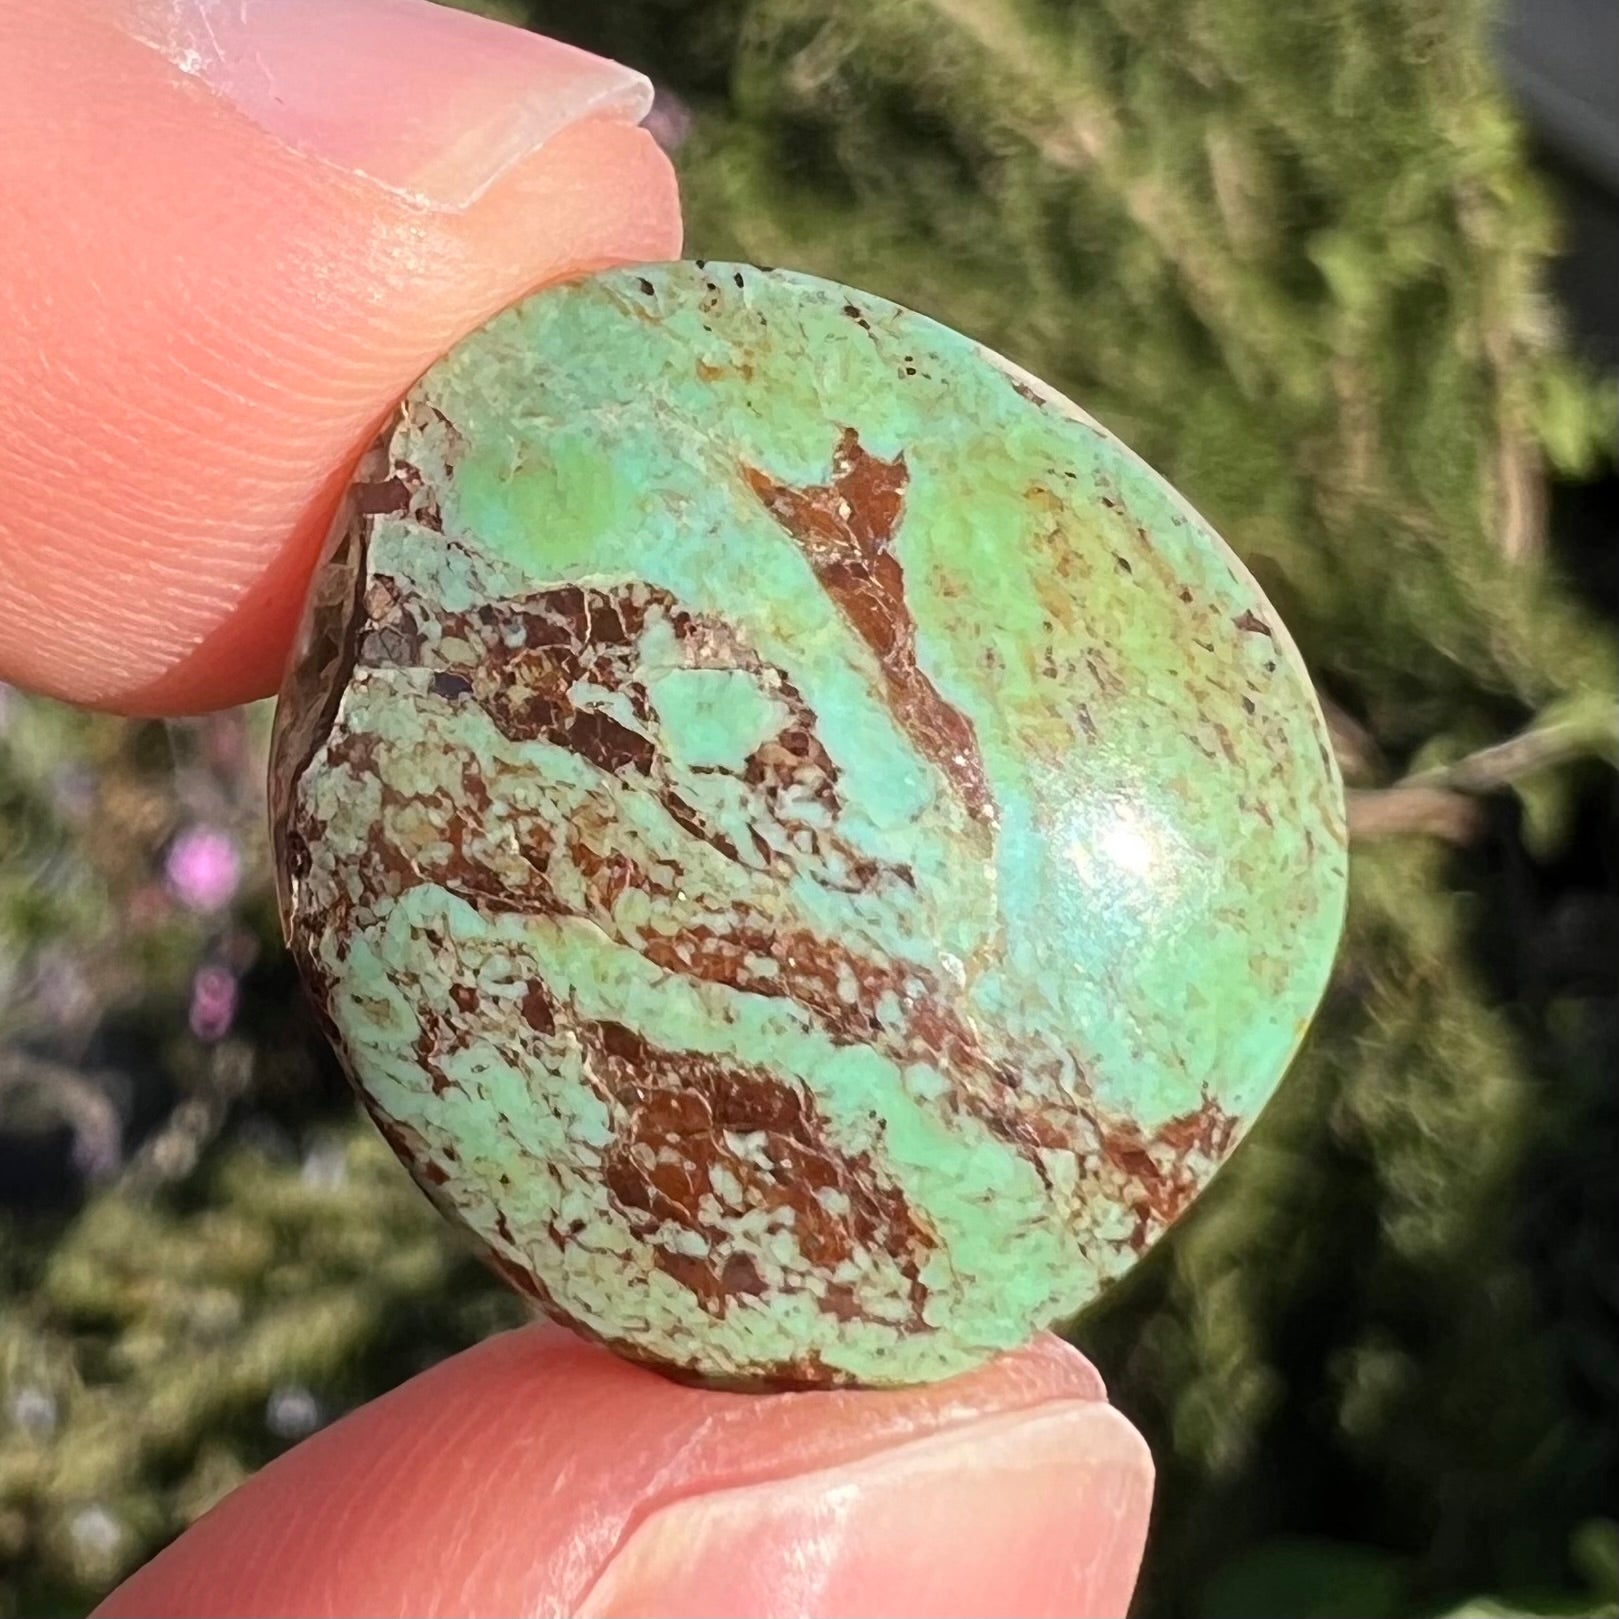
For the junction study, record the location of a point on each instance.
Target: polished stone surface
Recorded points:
(806, 845)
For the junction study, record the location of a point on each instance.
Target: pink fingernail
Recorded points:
(432, 103)
(1033, 1513)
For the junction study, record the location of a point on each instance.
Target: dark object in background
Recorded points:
(1561, 61)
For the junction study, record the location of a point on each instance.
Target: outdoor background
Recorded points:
(1303, 256)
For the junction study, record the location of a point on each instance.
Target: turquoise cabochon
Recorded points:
(807, 846)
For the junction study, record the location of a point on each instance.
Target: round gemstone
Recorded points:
(806, 845)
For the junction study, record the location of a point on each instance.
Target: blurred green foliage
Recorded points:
(1295, 256)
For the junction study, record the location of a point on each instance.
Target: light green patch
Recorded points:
(714, 718)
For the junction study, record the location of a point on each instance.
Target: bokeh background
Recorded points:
(1335, 268)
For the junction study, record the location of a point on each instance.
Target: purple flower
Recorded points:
(213, 1003)
(203, 868)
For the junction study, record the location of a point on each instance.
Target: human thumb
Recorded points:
(538, 1474)
(235, 234)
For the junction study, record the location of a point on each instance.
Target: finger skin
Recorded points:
(200, 328)
(538, 1474)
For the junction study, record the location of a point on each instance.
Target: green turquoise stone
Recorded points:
(808, 848)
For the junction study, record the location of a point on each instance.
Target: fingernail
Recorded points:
(1041, 1512)
(432, 103)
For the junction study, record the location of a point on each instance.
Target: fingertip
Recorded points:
(1027, 1513)
(536, 1473)
(206, 325)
